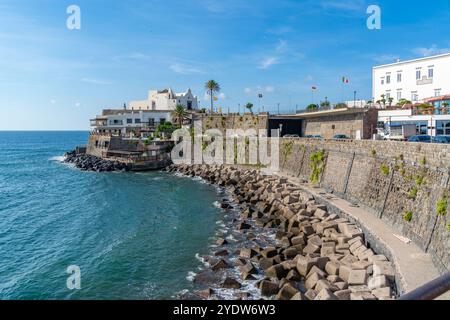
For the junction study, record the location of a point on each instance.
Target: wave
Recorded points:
(58, 158)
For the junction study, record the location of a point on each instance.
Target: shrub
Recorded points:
(419, 180)
(317, 165)
(423, 161)
(408, 216)
(385, 170)
(442, 206)
(373, 152)
(448, 226)
(413, 193)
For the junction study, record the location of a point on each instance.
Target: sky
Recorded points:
(55, 78)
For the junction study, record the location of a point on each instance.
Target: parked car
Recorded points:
(341, 137)
(441, 139)
(422, 139)
(313, 136)
(291, 136)
(317, 136)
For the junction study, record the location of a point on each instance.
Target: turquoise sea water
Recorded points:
(134, 235)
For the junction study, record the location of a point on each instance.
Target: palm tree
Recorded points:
(383, 100)
(249, 106)
(390, 100)
(212, 87)
(180, 114)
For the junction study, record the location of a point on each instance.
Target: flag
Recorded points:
(215, 98)
(345, 80)
(314, 88)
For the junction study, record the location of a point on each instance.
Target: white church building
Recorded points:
(165, 100)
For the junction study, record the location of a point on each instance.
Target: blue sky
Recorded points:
(55, 78)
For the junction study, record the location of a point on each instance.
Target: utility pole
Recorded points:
(278, 108)
(354, 99)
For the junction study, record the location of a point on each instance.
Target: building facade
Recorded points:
(127, 122)
(416, 80)
(426, 124)
(162, 100)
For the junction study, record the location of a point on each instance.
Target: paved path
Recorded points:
(415, 267)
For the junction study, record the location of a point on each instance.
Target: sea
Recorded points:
(73, 235)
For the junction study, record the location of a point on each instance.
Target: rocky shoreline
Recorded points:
(285, 245)
(86, 162)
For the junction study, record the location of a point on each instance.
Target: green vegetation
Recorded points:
(312, 107)
(287, 149)
(423, 161)
(442, 206)
(212, 87)
(341, 105)
(317, 165)
(385, 170)
(180, 114)
(249, 106)
(373, 152)
(413, 193)
(448, 226)
(408, 216)
(420, 180)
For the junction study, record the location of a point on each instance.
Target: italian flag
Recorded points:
(345, 80)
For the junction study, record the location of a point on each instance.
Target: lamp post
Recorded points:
(354, 99)
(278, 108)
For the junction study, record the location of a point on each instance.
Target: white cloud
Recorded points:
(268, 62)
(184, 69)
(222, 96)
(95, 81)
(282, 46)
(53, 101)
(248, 90)
(139, 56)
(77, 104)
(269, 89)
(433, 50)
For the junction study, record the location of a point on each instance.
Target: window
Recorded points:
(414, 96)
(399, 95)
(151, 122)
(129, 121)
(437, 92)
(137, 121)
(418, 75)
(443, 128)
(399, 77)
(382, 80)
(388, 95)
(388, 79)
(431, 73)
(162, 120)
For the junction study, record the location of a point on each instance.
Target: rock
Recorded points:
(276, 271)
(381, 293)
(268, 288)
(315, 269)
(287, 292)
(269, 253)
(357, 277)
(243, 226)
(341, 285)
(377, 258)
(343, 294)
(378, 282)
(249, 268)
(311, 248)
(222, 264)
(221, 242)
(299, 296)
(362, 296)
(385, 268)
(326, 294)
(221, 253)
(293, 276)
(323, 284)
(230, 283)
(205, 294)
(310, 294)
(332, 268)
(247, 253)
(312, 280)
(344, 272)
(266, 263)
(366, 254)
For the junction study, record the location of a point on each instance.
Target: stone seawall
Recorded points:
(406, 185)
(313, 255)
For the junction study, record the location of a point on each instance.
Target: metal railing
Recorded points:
(431, 290)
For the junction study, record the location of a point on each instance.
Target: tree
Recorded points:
(249, 106)
(390, 100)
(383, 100)
(325, 104)
(341, 105)
(212, 87)
(403, 102)
(312, 106)
(180, 114)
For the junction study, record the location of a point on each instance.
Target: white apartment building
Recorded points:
(414, 80)
(165, 100)
(125, 122)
